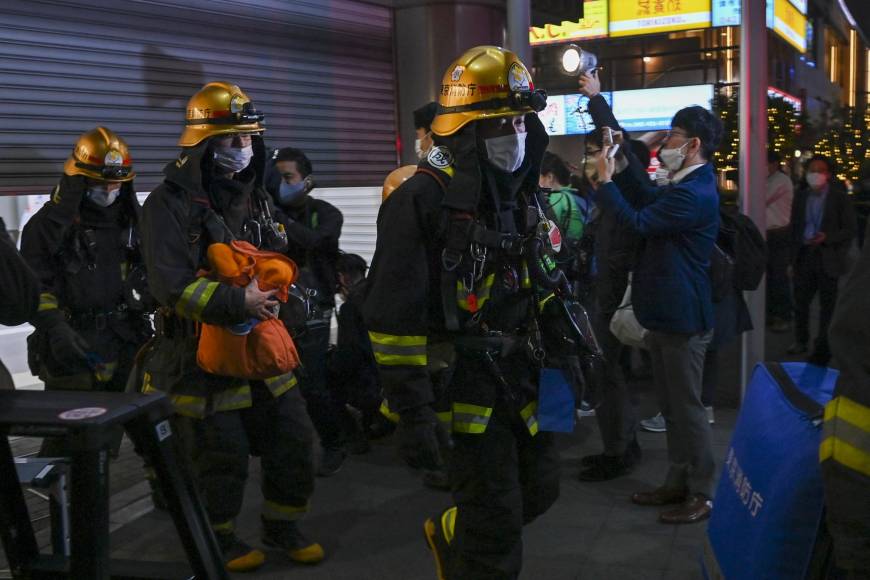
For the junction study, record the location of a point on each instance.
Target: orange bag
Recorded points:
(267, 350)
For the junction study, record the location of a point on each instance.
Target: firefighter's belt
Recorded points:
(97, 319)
(504, 345)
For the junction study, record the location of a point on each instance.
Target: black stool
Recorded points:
(90, 422)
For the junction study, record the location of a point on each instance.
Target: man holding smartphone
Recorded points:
(673, 298)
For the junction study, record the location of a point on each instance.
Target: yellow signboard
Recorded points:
(790, 24)
(592, 25)
(630, 17)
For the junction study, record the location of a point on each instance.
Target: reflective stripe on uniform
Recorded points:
(224, 528)
(470, 418)
(47, 301)
(530, 417)
(448, 524)
(445, 417)
(276, 511)
(482, 294)
(846, 435)
(281, 384)
(542, 303)
(186, 405)
(195, 297)
(232, 399)
(386, 412)
(395, 350)
(525, 279)
(105, 371)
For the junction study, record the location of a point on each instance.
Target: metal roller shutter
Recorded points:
(321, 71)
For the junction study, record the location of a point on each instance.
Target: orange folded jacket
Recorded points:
(267, 350)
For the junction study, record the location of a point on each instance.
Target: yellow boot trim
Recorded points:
(430, 529)
(247, 562)
(312, 554)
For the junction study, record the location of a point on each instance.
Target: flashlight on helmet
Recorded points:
(576, 61)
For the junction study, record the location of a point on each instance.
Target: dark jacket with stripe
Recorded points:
(190, 210)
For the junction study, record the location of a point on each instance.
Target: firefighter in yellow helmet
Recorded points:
(83, 244)
(452, 273)
(214, 193)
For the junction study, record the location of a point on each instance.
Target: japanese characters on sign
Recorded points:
(630, 17)
(592, 25)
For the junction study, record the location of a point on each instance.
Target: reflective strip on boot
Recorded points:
(530, 418)
(448, 524)
(386, 412)
(395, 350)
(846, 435)
(469, 418)
(281, 384)
(288, 513)
(195, 297)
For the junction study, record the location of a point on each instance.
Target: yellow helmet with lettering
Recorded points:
(100, 154)
(219, 109)
(396, 178)
(484, 83)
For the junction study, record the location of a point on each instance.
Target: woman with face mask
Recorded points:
(823, 224)
(83, 244)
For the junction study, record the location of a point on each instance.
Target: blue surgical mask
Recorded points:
(290, 192)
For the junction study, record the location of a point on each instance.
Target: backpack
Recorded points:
(740, 239)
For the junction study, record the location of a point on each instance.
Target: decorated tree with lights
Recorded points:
(846, 140)
(784, 129)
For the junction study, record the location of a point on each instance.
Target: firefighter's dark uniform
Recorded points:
(313, 229)
(504, 472)
(19, 292)
(229, 418)
(92, 276)
(845, 448)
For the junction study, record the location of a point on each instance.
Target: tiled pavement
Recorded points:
(368, 516)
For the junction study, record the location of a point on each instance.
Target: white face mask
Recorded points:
(418, 149)
(507, 152)
(817, 180)
(663, 176)
(673, 158)
(102, 196)
(233, 159)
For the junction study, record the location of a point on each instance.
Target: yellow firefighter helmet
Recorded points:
(484, 83)
(396, 178)
(100, 154)
(219, 109)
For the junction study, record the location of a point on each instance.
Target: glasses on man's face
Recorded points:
(670, 134)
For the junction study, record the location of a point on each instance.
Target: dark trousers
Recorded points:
(277, 430)
(678, 363)
(615, 415)
(810, 279)
(327, 413)
(779, 302)
(502, 479)
(710, 378)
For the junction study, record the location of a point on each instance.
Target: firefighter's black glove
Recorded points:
(422, 438)
(67, 347)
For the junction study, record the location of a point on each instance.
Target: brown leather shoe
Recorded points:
(696, 508)
(660, 496)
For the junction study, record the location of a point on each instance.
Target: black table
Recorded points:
(90, 422)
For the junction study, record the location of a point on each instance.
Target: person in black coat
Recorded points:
(823, 227)
(19, 292)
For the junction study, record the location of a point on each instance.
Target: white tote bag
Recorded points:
(624, 324)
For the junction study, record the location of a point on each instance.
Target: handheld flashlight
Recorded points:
(576, 61)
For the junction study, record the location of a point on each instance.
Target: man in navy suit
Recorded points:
(672, 297)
